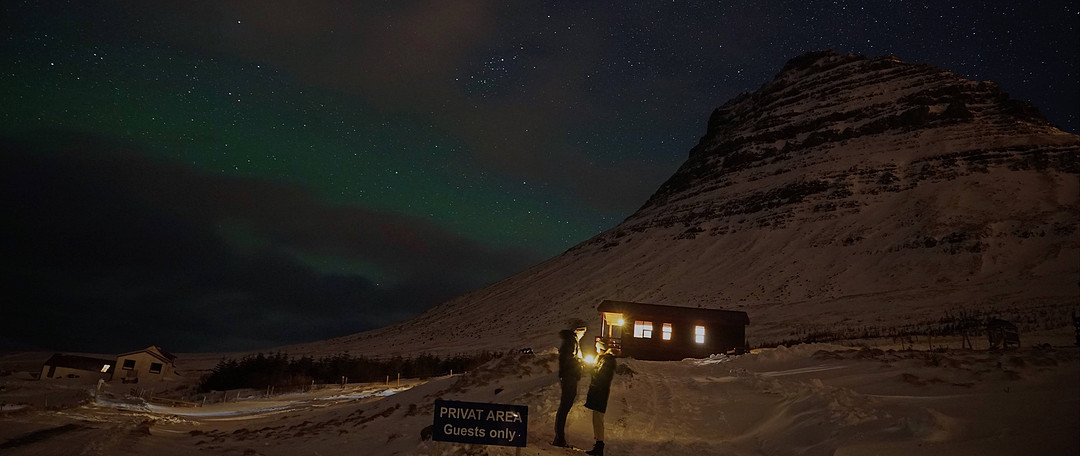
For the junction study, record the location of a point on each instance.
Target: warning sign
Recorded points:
(481, 423)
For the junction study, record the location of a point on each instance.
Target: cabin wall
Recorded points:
(141, 369)
(62, 373)
(719, 338)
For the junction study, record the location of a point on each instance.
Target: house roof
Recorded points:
(154, 351)
(85, 363)
(731, 317)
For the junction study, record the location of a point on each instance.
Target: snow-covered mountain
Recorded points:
(848, 195)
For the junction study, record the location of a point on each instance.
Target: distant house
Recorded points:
(1002, 334)
(656, 332)
(149, 364)
(61, 366)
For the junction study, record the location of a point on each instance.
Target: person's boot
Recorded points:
(597, 450)
(559, 441)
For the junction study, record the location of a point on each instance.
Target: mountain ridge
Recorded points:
(848, 195)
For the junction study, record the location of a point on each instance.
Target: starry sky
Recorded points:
(209, 176)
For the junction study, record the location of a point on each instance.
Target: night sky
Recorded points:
(237, 175)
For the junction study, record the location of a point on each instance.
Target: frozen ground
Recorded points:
(808, 399)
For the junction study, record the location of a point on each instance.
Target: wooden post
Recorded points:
(435, 452)
(399, 379)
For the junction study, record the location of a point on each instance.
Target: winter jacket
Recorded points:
(600, 386)
(569, 363)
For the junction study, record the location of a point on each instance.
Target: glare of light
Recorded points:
(620, 322)
(590, 359)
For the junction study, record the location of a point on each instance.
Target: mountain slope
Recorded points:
(846, 196)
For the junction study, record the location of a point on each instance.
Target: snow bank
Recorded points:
(784, 353)
(368, 393)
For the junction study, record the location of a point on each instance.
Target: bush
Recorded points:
(279, 370)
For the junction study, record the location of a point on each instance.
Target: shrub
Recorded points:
(280, 370)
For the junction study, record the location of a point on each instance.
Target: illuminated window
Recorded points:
(129, 364)
(155, 368)
(643, 329)
(105, 368)
(667, 331)
(699, 334)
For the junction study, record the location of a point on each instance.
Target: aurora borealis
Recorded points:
(239, 175)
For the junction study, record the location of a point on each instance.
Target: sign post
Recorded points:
(480, 423)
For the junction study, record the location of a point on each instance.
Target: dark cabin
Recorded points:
(655, 332)
(61, 366)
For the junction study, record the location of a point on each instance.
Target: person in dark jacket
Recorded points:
(599, 390)
(570, 368)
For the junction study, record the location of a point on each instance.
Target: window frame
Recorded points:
(129, 364)
(665, 331)
(643, 329)
(699, 334)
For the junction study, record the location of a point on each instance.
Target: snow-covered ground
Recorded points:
(807, 399)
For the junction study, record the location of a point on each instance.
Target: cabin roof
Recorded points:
(85, 363)
(732, 317)
(154, 351)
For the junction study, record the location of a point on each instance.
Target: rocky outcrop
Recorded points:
(772, 158)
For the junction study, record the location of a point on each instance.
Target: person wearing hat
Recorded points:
(599, 390)
(570, 367)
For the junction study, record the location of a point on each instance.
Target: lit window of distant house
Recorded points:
(105, 368)
(155, 368)
(699, 334)
(129, 364)
(643, 329)
(667, 331)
